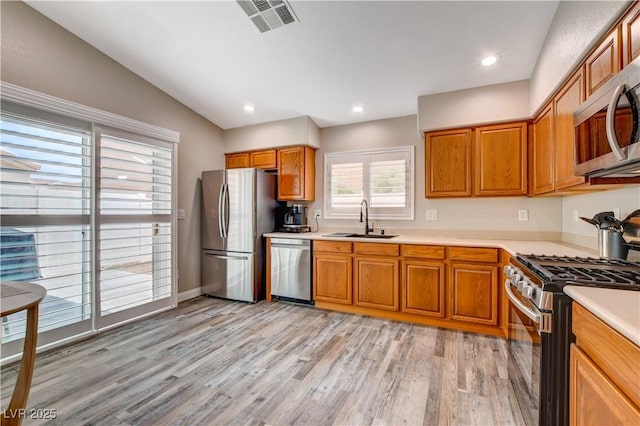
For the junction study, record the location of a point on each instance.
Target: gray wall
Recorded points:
(478, 214)
(574, 30)
(40, 55)
(292, 131)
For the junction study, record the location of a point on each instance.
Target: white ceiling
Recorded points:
(383, 55)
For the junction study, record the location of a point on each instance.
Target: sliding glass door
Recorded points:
(134, 219)
(45, 235)
(86, 212)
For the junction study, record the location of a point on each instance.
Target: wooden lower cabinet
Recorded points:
(414, 283)
(593, 398)
(473, 293)
(332, 278)
(423, 288)
(376, 282)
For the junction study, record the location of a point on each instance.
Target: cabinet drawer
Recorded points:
(377, 249)
(474, 254)
(422, 252)
(332, 246)
(617, 356)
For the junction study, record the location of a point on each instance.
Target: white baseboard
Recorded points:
(189, 294)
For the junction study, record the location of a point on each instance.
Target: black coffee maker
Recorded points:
(296, 215)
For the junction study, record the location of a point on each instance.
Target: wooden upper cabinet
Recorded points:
(448, 163)
(238, 160)
(604, 62)
(567, 100)
(296, 174)
(542, 153)
(263, 159)
(501, 159)
(631, 35)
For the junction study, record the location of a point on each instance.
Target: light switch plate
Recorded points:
(575, 215)
(181, 214)
(432, 214)
(523, 215)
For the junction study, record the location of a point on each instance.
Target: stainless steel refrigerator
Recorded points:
(238, 206)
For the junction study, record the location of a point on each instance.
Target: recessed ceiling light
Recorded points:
(358, 108)
(249, 108)
(489, 60)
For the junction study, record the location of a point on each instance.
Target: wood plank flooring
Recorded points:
(219, 362)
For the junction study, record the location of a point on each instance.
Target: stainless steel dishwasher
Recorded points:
(291, 269)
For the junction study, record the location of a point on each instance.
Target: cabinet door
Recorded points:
(234, 161)
(377, 283)
(423, 288)
(593, 398)
(474, 293)
(296, 173)
(543, 152)
(569, 98)
(631, 35)
(604, 62)
(263, 159)
(501, 159)
(448, 163)
(332, 278)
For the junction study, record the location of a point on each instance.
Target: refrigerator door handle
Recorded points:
(226, 210)
(219, 256)
(220, 216)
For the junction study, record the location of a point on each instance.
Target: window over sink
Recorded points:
(384, 177)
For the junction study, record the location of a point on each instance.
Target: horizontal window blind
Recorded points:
(383, 177)
(135, 204)
(46, 205)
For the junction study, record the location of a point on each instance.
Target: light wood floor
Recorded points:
(218, 362)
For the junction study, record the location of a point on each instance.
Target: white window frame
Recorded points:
(363, 156)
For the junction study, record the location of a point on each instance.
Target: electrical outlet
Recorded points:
(432, 214)
(575, 215)
(181, 214)
(523, 215)
(616, 212)
(317, 213)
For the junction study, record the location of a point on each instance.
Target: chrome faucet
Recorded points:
(366, 217)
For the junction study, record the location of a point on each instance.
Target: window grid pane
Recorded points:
(383, 177)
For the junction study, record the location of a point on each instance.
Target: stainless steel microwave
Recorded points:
(607, 128)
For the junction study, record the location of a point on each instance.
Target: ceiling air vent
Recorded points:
(267, 15)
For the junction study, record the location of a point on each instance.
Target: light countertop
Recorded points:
(512, 246)
(620, 309)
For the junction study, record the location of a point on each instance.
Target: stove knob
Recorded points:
(509, 270)
(526, 290)
(516, 279)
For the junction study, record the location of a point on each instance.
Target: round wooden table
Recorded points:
(16, 297)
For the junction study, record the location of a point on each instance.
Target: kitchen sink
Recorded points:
(347, 235)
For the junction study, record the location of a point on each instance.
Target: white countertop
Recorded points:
(511, 246)
(618, 308)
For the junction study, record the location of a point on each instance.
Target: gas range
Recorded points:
(540, 325)
(556, 271)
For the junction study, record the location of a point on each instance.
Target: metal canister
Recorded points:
(611, 245)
